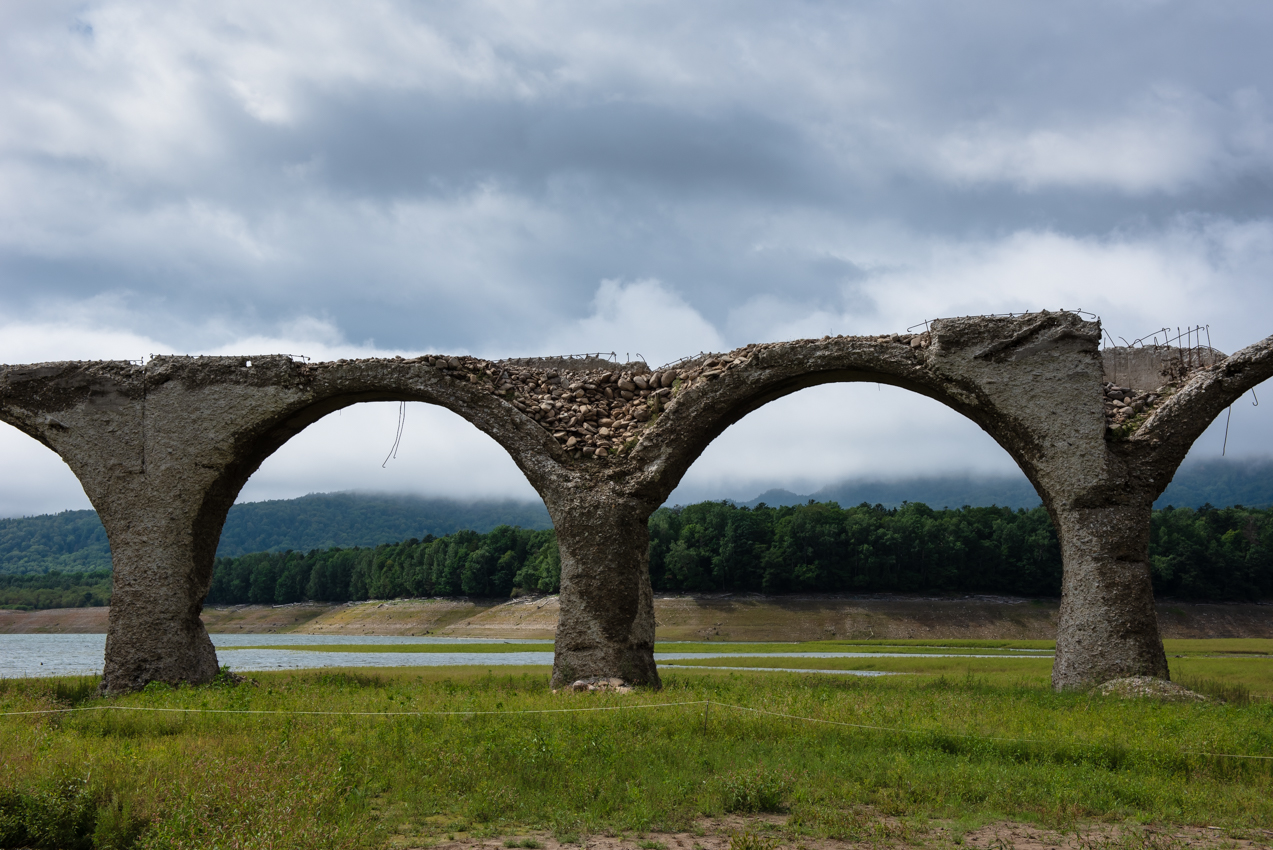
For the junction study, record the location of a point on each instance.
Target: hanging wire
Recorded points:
(1226, 431)
(1255, 402)
(397, 440)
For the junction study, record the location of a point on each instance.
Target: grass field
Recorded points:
(1240, 647)
(964, 740)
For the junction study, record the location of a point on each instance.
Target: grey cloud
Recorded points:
(405, 145)
(772, 160)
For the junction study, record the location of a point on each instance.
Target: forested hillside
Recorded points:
(1206, 555)
(1220, 481)
(65, 542)
(56, 590)
(462, 564)
(324, 520)
(75, 540)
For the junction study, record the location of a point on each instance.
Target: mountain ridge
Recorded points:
(1220, 483)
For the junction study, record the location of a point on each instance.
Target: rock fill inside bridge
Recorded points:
(597, 410)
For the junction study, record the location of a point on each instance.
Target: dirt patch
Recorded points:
(529, 617)
(261, 619)
(1215, 620)
(770, 832)
(802, 618)
(732, 617)
(743, 617)
(57, 621)
(399, 617)
(1029, 837)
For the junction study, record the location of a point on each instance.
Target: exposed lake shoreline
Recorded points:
(734, 617)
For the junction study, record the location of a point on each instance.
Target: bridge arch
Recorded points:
(1035, 383)
(282, 428)
(817, 438)
(752, 399)
(163, 449)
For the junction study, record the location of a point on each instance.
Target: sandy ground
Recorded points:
(767, 832)
(65, 621)
(706, 617)
(239, 618)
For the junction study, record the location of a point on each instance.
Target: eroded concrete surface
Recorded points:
(163, 449)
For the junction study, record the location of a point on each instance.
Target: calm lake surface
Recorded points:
(81, 655)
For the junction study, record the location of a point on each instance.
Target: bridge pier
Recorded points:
(155, 633)
(163, 527)
(606, 626)
(1108, 627)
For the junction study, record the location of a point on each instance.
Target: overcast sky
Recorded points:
(500, 179)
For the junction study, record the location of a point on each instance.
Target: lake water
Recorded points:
(81, 655)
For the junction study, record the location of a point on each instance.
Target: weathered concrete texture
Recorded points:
(606, 626)
(163, 450)
(1036, 384)
(1147, 368)
(1108, 627)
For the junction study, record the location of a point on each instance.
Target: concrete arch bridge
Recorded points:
(163, 449)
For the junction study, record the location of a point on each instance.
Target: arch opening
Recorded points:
(36, 479)
(440, 454)
(433, 473)
(48, 525)
(1234, 451)
(956, 417)
(813, 438)
(786, 546)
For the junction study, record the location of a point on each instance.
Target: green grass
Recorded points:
(1232, 671)
(1006, 671)
(442, 648)
(961, 738)
(969, 647)
(1252, 674)
(1219, 646)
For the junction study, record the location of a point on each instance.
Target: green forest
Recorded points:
(85, 589)
(819, 547)
(74, 541)
(1208, 554)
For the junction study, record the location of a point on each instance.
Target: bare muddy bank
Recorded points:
(711, 617)
(729, 831)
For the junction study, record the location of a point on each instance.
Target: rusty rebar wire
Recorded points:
(1225, 447)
